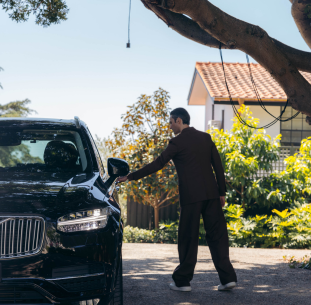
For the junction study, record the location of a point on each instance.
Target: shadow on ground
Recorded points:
(263, 278)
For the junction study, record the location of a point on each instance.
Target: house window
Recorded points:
(295, 130)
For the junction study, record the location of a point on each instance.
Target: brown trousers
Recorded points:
(216, 237)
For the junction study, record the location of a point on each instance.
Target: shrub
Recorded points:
(167, 234)
(244, 151)
(293, 262)
(286, 229)
(283, 230)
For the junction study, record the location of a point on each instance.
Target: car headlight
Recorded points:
(84, 221)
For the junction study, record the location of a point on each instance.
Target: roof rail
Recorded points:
(77, 121)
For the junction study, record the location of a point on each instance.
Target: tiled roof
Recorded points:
(239, 81)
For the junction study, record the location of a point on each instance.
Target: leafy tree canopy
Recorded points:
(16, 109)
(46, 12)
(144, 135)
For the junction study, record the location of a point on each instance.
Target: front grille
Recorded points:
(20, 295)
(20, 235)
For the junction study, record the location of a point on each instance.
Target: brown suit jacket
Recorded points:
(193, 153)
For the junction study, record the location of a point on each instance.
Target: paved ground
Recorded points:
(263, 277)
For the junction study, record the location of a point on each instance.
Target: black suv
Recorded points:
(60, 222)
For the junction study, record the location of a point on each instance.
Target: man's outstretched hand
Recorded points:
(222, 201)
(122, 179)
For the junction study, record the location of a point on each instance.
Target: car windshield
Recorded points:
(42, 150)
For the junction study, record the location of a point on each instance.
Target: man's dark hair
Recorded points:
(181, 113)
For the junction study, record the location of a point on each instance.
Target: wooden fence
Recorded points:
(285, 151)
(141, 216)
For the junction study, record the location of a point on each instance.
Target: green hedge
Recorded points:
(286, 229)
(167, 234)
(163, 236)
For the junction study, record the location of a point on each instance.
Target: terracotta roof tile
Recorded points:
(239, 81)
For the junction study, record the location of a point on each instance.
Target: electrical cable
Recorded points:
(258, 96)
(232, 103)
(259, 100)
(128, 45)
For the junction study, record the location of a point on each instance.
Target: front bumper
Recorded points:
(32, 291)
(69, 267)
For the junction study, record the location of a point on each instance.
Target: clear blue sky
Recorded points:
(82, 67)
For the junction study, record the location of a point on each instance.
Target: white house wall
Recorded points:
(265, 118)
(257, 112)
(228, 115)
(208, 110)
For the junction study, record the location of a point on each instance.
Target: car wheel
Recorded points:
(118, 292)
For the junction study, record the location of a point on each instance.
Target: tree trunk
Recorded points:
(156, 217)
(242, 197)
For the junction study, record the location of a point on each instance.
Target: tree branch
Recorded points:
(251, 39)
(147, 198)
(164, 206)
(300, 11)
(301, 59)
(233, 187)
(186, 27)
(166, 198)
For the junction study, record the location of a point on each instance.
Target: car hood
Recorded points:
(48, 194)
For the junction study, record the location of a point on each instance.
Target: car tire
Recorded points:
(118, 292)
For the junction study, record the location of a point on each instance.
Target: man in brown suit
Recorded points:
(195, 157)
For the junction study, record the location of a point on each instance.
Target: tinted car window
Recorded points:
(42, 150)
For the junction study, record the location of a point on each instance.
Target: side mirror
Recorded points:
(117, 167)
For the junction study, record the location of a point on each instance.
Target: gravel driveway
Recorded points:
(263, 277)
